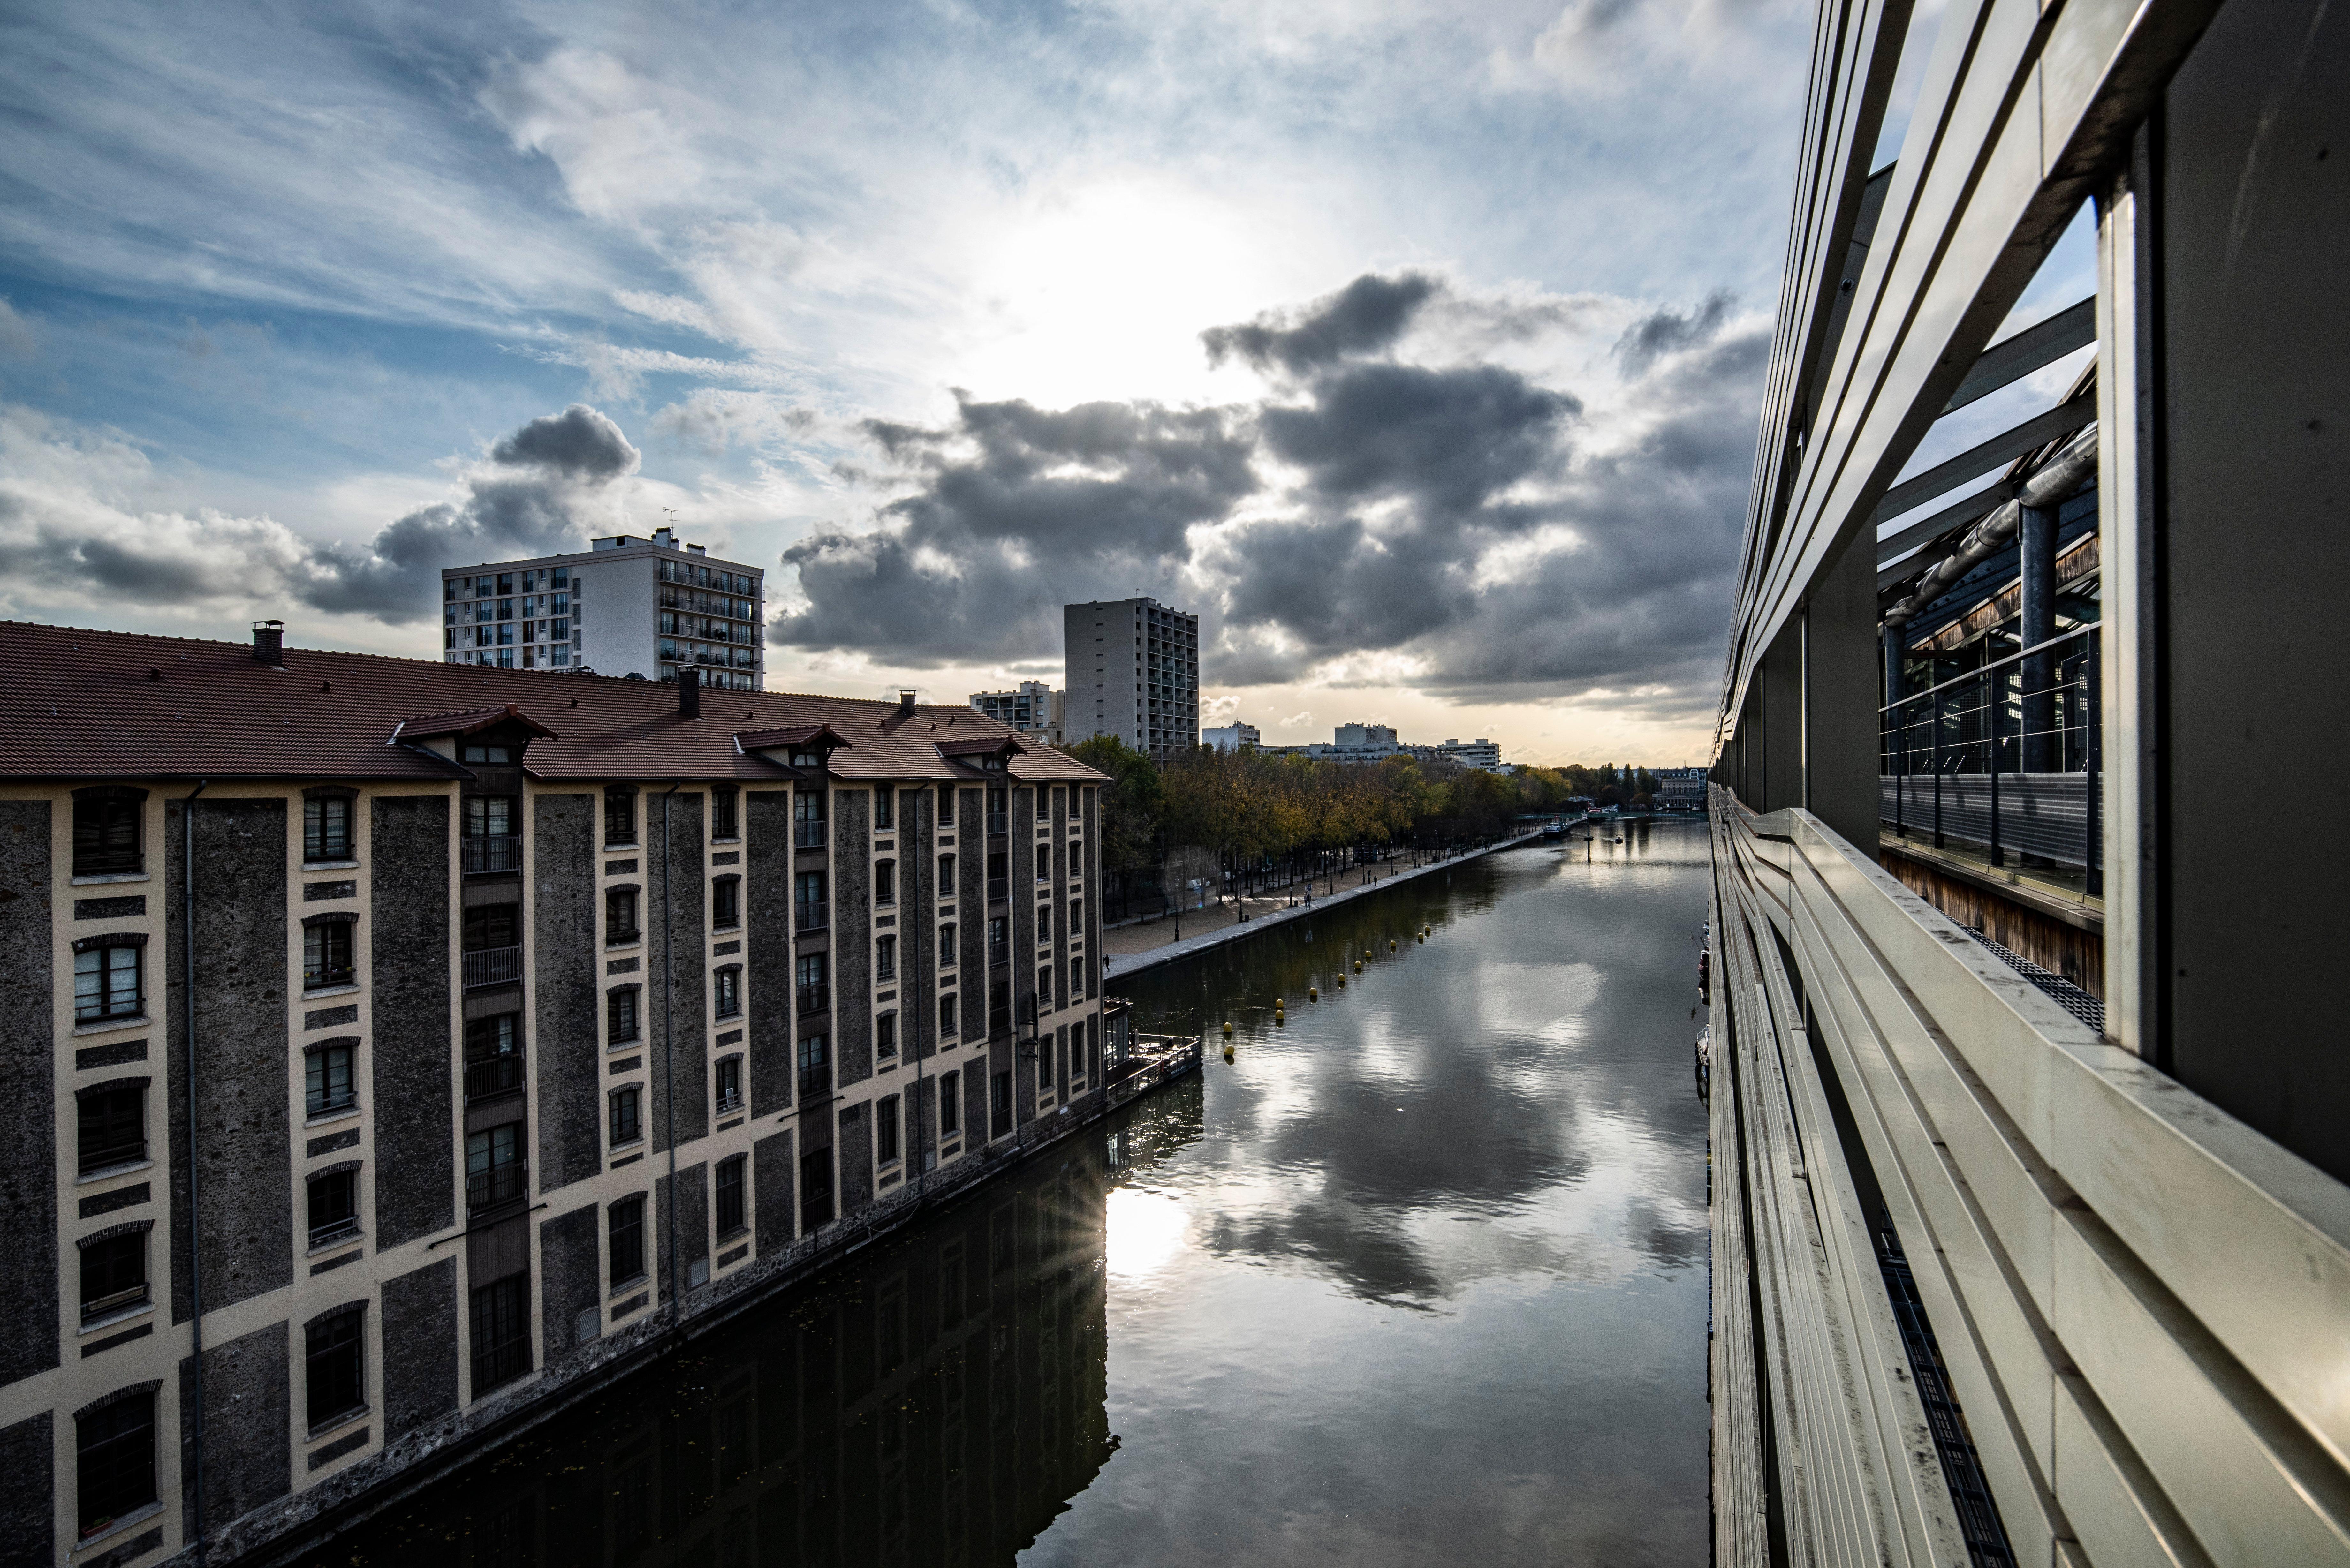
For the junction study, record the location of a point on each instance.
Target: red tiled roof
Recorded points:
(113, 705)
(791, 735)
(981, 746)
(432, 726)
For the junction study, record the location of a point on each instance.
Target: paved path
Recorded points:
(1122, 964)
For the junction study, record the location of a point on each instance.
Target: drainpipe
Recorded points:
(196, 1231)
(669, 1053)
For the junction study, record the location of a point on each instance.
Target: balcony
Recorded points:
(998, 888)
(999, 822)
(334, 1233)
(493, 1075)
(484, 853)
(100, 1306)
(998, 954)
(492, 966)
(815, 998)
(729, 1103)
(496, 1187)
(811, 917)
(815, 1080)
(808, 835)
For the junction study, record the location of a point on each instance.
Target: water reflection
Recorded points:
(1417, 1278)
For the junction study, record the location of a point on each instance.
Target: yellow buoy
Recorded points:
(1359, 966)
(1313, 994)
(1367, 952)
(1228, 1028)
(1422, 937)
(1276, 1004)
(1390, 944)
(1342, 982)
(1228, 1053)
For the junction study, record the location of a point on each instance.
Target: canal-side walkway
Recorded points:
(1119, 965)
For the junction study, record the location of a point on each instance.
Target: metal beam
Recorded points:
(2031, 435)
(1894, 546)
(2012, 359)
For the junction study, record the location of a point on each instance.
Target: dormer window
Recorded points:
(499, 755)
(807, 758)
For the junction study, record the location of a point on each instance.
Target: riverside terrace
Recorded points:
(531, 1013)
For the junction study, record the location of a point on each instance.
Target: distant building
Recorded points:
(1480, 752)
(1233, 737)
(1133, 672)
(1032, 708)
(628, 605)
(1679, 786)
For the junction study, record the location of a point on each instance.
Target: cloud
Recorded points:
(75, 527)
(1367, 316)
(1463, 527)
(16, 333)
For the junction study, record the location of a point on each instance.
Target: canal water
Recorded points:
(1419, 1277)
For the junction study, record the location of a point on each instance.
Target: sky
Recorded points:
(1417, 347)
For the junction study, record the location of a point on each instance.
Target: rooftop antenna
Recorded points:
(670, 513)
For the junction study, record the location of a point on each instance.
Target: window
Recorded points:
(1044, 987)
(730, 991)
(109, 977)
(328, 1081)
(808, 901)
(111, 1124)
(495, 1170)
(620, 1019)
(106, 831)
(620, 917)
(998, 875)
(885, 958)
(505, 582)
(326, 951)
(1077, 977)
(810, 981)
(627, 1119)
(884, 816)
(114, 1270)
(1044, 925)
(946, 877)
(624, 1237)
(999, 1103)
(807, 819)
(619, 814)
(114, 1459)
(947, 1026)
(885, 1128)
(501, 1332)
(816, 1065)
(492, 1056)
(726, 902)
(999, 1005)
(730, 1197)
(327, 827)
(999, 938)
(885, 1030)
(951, 1105)
(885, 882)
(730, 1084)
(334, 1205)
(335, 1362)
(724, 820)
(1043, 804)
(946, 946)
(1077, 920)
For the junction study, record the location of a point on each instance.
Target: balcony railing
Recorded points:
(2004, 758)
(998, 954)
(499, 1185)
(815, 998)
(101, 1305)
(334, 1231)
(490, 852)
(126, 1153)
(999, 822)
(729, 1103)
(808, 835)
(810, 917)
(815, 1080)
(493, 1075)
(492, 966)
(998, 889)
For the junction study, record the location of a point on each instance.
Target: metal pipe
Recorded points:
(2052, 483)
(196, 1231)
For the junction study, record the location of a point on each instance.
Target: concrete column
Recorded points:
(2037, 536)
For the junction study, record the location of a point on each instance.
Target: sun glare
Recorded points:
(1145, 1231)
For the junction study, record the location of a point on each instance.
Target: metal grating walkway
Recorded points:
(2068, 996)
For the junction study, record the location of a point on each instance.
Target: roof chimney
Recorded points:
(269, 642)
(689, 692)
(905, 701)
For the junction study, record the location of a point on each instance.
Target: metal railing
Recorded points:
(333, 1231)
(2005, 758)
(808, 835)
(817, 1080)
(815, 998)
(492, 966)
(493, 1075)
(490, 852)
(810, 917)
(999, 822)
(998, 888)
(499, 1185)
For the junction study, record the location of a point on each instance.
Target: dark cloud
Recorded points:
(1653, 336)
(1364, 318)
(580, 442)
(1018, 509)
(1374, 511)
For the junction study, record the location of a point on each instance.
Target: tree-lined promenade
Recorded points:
(1247, 820)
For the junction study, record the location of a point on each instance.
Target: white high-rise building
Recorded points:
(1233, 737)
(1480, 752)
(627, 606)
(1032, 708)
(1132, 671)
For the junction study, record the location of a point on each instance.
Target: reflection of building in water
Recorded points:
(937, 1405)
